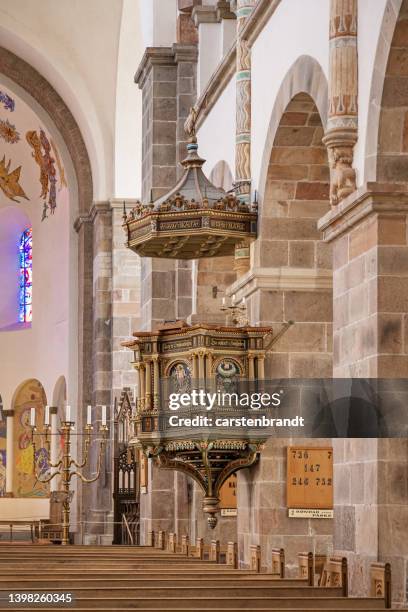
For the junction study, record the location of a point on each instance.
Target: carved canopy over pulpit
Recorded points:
(195, 219)
(177, 360)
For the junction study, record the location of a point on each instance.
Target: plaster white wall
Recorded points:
(48, 349)
(216, 137)
(296, 28)
(128, 129)
(228, 34)
(74, 45)
(159, 18)
(214, 41)
(370, 17)
(209, 52)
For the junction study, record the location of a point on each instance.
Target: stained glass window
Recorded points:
(26, 276)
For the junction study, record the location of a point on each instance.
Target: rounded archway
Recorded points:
(29, 394)
(296, 192)
(289, 257)
(39, 89)
(392, 147)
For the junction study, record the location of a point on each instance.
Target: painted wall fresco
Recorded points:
(35, 156)
(25, 481)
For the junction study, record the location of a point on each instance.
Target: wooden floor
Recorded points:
(145, 578)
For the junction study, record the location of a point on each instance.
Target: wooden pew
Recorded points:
(278, 562)
(197, 551)
(255, 558)
(215, 551)
(161, 540)
(380, 582)
(335, 574)
(231, 559)
(150, 538)
(311, 567)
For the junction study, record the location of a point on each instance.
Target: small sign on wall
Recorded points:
(228, 497)
(309, 481)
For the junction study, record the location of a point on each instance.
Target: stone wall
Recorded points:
(392, 157)
(263, 513)
(126, 289)
(289, 279)
(167, 77)
(370, 249)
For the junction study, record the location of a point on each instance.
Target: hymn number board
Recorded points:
(310, 477)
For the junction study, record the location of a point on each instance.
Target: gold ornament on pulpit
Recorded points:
(179, 359)
(194, 219)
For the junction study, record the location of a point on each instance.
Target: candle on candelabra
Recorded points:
(68, 413)
(223, 301)
(89, 416)
(47, 416)
(103, 415)
(233, 299)
(244, 301)
(32, 417)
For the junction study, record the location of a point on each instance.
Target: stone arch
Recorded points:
(289, 257)
(31, 81)
(30, 393)
(392, 147)
(296, 192)
(388, 26)
(305, 76)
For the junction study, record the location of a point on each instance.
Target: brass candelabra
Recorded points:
(63, 467)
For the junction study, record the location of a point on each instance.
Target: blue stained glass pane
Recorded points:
(26, 272)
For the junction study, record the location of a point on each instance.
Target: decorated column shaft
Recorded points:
(243, 125)
(243, 93)
(342, 124)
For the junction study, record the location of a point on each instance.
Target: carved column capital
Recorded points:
(342, 124)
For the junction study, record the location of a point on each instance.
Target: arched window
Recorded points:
(26, 276)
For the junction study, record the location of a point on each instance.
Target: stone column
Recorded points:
(9, 414)
(156, 381)
(185, 56)
(148, 385)
(125, 300)
(167, 77)
(368, 232)
(341, 133)
(251, 367)
(100, 492)
(157, 78)
(243, 125)
(84, 228)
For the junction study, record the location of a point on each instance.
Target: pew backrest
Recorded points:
(278, 562)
